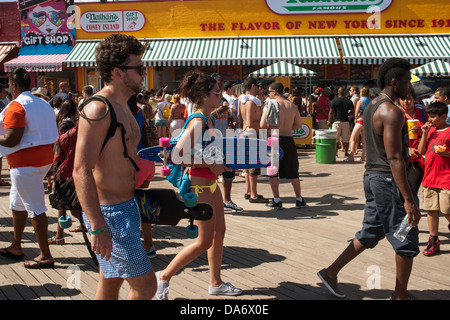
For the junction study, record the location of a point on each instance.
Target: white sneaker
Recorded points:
(162, 289)
(226, 289)
(230, 205)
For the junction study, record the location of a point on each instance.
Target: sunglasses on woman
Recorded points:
(217, 93)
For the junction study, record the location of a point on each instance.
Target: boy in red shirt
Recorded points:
(435, 144)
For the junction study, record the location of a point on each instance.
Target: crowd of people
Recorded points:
(105, 181)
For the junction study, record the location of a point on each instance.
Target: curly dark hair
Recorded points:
(114, 51)
(195, 84)
(390, 69)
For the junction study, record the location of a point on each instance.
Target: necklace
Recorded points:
(389, 98)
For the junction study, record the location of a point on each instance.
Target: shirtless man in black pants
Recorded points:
(288, 120)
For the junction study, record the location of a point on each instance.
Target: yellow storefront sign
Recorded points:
(231, 18)
(303, 135)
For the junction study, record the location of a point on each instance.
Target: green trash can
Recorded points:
(325, 146)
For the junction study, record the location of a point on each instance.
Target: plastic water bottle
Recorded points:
(403, 230)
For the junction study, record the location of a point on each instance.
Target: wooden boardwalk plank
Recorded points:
(269, 254)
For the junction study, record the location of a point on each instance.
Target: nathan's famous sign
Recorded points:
(325, 6)
(112, 21)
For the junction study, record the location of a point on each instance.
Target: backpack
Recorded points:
(166, 112)
(272, 112)
(63, 195)
(178, 174)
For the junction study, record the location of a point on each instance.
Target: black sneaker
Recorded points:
(274, 205)
(258, 199)
(300, 204)
(330, 284)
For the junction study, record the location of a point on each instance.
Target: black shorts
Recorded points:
(228, 175)
(288, 168)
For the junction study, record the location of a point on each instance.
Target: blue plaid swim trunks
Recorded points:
(128, 258)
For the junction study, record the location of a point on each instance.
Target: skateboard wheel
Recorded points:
(190, 199)
(65, 222)
(192, 231)
(164, 142)
(271, 141)
(272, 171)
(165, 171)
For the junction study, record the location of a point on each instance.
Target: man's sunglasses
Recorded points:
(139, 69)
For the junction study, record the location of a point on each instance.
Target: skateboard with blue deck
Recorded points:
(234, 153)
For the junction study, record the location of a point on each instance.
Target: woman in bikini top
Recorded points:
(205, 93)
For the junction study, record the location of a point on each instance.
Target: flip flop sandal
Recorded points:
(40, 265)
(53, 240)
(9, 255)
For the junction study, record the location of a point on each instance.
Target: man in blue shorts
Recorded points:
(105, 173)
(389, 196)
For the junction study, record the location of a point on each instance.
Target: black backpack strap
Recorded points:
(113, 126)
(60, 146)
(109, 109)
(125, 152)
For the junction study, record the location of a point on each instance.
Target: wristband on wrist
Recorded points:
(99, 230)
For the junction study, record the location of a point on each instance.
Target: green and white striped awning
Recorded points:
(283, 69)
(82, 55)
(376, 49)
(436, 68)
(240, 51)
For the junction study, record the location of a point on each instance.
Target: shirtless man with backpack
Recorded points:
(288, 120)
(105, 175)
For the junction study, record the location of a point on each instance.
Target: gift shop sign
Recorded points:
(46, 28)
(112, 21)
(325, 6)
